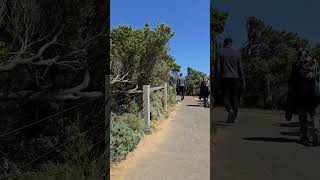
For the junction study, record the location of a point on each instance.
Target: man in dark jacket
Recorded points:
(182, 84)
(232, 78)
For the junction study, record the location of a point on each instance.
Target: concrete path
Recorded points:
(182, 153)
(262, 146)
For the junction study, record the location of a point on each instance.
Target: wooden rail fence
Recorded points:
(146, 90)
(146, 100)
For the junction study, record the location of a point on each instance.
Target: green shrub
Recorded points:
(156, 104)
(133, 107)
(50, 171)
(172, 95)
(123, 139)
(135, 122)
(80, 145)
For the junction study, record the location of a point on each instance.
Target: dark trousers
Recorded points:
(204, 93)
(305, 103)
(205, 101)
(304, 123)
(182, 91)
(231, 94)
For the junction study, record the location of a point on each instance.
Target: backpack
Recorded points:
(307, 69)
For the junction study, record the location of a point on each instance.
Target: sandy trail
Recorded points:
(178, 150)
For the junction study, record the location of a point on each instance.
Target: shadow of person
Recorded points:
(194, 105)
(277, 140)
(291, 124)
(222, 124)
(291, 133)
(269, 139)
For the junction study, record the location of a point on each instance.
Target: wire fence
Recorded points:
(69, 113)
(142, 97)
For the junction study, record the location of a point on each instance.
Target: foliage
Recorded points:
(194, 79)
(123, 139)
(139, 57)
(316, 51)
(49, 52)
(172, 93)
(50, 171)
(218, 20)
(157, 104)
(267, 60)
(135, 122)
(3, 49)
(133, 107)
(79, 147)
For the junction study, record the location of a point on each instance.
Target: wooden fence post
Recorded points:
(165, 97)
(107, 124)
(146, 104)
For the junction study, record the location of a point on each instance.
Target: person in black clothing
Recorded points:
(182, 84)
(302, 97)
(232, 78)
(201, 85)
(204, 91)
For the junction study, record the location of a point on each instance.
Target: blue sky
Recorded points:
(291, 15)
(190, 20)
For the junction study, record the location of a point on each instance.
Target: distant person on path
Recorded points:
(201, 84)
(232, 78)
(205, 91)
(182, 84)
(301, 84)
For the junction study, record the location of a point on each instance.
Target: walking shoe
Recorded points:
(234, 119)
(304, 141)
(288, 116)
(230, 116)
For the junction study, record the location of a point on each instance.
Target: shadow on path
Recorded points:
(292, 133)
(222, 124)
(269, 139)
(277, 140)
(291, 124)
(193, 105)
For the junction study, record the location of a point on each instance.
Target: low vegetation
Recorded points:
(138, 57)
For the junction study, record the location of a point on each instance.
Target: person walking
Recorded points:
(205, 91)
(232, 78)
(182, 84)
(201, 86)
(302, 86)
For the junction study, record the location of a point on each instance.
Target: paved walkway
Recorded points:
(179, 151)
(262, 146)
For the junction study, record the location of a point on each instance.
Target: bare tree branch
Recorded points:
(48, 62)
(7, 66)
(80, 87)
(121, 79)
(134, 90)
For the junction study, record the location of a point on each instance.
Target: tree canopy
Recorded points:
(141, 56)
(267, 60)
(194, 79)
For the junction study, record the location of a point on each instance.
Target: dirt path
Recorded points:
(262, 146)
(179, 150)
